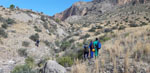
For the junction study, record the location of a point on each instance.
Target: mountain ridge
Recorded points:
(100, 6)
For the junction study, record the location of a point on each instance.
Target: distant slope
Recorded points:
(94, 7)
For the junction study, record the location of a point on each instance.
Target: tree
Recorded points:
(12, 6)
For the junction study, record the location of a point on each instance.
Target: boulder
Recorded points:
(53, 67)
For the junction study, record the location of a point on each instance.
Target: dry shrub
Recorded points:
(79, 67)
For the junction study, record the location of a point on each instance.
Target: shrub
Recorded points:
(97, 33)
(108, 23)
(71, 40)
(4, 26)
(43, 18)
(45, 25)
(22, 52)
(107, 30)
(34, 37)
(104, 38)
(143, 23)
(10, 21)
(47, 43)
(65, 45)
(2, 19)
(85, 36)
(25, 43)
(3, 33)
(122, 27)
(92, 29)
(65, 61)
(114, 27)
(30, 62)
(80, 54)
(57, 43)
(99, 27)
(57, 20)
(133, 25)
(37, 29)
(22, 69)
(12, 6)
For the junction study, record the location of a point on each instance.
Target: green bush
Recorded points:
(133, 25)
(22, 52)
(25, 43)
(3, 33)
(143, 23)
(65, 45)
(85, 36)
(22, 69)
(34, 37)
(45, 25)
(65, 61)
(12, 6)
(47, 43)
(104, 39)
(30, 62)
(37, 29)
(2, 19)
(57, 43)
(10, 21)
(57, 20)
(92, 29)
(5, 26)
(122, 27)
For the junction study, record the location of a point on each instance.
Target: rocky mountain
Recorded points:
(94, 7)
(123, 30)
(20, 28)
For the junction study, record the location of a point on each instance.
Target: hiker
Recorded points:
(37, 43)
(96, 47)
(91, 49)
(86, 51)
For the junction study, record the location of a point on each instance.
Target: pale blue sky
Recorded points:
(49, 7)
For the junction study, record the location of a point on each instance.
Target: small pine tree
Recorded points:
(12, 6)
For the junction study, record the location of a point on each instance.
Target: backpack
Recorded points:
(98, 46)
(86, 48)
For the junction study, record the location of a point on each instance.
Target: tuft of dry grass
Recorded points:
(79, 67)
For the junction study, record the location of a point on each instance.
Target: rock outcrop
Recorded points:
(95, 6)
(53, 67)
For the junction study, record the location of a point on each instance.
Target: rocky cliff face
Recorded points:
(95, 6)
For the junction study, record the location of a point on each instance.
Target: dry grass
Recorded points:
(126, 52)
(79, 67)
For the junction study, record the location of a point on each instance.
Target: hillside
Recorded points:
(95, 7)
(124, 32)
(18, 30)
(122, 27)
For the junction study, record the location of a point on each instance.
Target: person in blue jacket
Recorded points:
(91, 47)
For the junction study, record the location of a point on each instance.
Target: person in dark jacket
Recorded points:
(37, 43)
(86, 51)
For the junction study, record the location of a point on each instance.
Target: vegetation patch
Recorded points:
(22, 52)
(92, 29)
(34, 37)
(37, 29)
(104, 38)
(22, 69)
(47, 43)
(3, 33)
(85, 36)
(65, 45)
(25, 43)
(65, 61)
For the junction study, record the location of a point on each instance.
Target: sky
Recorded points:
(49, 7)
